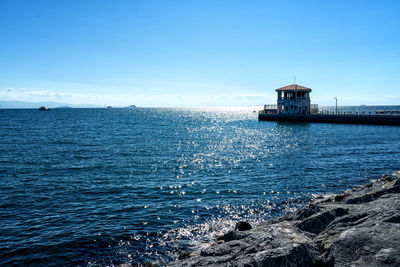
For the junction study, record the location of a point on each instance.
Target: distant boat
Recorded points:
(1, 110)
(107, 107)
(131, 106)
(44, 109)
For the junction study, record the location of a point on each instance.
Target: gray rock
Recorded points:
(318, 222)
(360, 227)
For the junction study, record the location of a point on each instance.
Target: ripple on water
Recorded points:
(95, 186)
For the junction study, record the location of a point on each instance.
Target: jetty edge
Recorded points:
(359, 227)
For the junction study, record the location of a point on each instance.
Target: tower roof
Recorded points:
(294, 87)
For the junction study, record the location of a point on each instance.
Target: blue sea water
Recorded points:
(107, 187)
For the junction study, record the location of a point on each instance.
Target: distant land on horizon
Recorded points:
(48, 104)
(14, 104)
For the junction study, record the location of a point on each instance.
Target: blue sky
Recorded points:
(198, 53)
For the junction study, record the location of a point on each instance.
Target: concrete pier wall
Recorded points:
(333, 118)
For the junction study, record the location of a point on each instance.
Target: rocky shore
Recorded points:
(359, 227)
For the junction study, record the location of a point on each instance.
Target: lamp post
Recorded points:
(336, 105)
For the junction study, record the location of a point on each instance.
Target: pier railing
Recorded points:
(362, 113)
(314, 108)
(269, 109)
(273, 109)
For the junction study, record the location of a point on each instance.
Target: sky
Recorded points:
(199, 53)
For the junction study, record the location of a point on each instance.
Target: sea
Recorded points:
(133, 186)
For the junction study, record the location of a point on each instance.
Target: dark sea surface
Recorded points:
(107, 187)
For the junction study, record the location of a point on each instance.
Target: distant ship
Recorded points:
(44, 109)
(107, 107)
(131, 106)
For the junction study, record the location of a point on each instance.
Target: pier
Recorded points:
(294, 105)
(333, 118)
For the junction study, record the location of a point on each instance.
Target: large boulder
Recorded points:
(360, 227)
